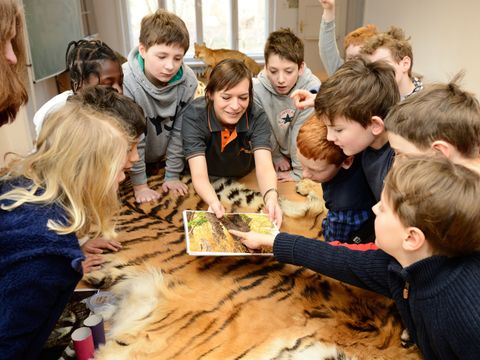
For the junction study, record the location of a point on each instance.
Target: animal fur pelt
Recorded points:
(212, 57)
(175, 306)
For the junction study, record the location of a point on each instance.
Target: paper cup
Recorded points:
(95, 323)
(83, 343)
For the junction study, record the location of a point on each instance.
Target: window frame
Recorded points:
(269, 25)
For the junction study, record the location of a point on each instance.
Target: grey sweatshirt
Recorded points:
(327, 45)
(163, 108)
(284, 118)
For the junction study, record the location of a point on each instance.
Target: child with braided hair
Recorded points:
(89, 62)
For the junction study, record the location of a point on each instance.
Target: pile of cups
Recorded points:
(89, 337)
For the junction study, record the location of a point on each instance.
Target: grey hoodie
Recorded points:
(284, 118)
(163, 108)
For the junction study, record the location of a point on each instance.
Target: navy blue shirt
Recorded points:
(376, 164)
(39, 271)
(349, 201)
(440, 309)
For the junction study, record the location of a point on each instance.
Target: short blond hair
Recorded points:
(79, 155)
(438, 197)
(395, 40)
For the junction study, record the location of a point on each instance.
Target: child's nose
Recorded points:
(169, 64)
(375, 208)
(10, 54)
(119, 88)
(330, 136)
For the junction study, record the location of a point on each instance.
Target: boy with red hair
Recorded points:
(345, 189)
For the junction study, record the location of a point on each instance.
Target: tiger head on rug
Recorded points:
(176, 306)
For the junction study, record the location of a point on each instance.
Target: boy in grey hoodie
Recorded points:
(284, 72)
(156, 78)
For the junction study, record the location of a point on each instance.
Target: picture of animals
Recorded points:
(212, 57)
(208, 235)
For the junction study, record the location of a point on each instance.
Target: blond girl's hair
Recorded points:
(80, 153)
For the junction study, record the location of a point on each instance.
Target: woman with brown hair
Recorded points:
(227, 135)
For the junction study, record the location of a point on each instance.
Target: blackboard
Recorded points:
(51, 25)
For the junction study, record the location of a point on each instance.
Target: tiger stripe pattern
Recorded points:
(176, 306)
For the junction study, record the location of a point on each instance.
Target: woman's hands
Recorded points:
(217, 208)
(272, 208)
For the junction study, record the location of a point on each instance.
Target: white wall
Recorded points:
(286, 14)
(444, 35)
(111, 24)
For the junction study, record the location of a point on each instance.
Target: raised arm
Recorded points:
(327, 42)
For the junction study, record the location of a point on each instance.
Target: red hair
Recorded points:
(313, 144)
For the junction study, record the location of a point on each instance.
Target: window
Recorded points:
(136, 10)
(233, 24)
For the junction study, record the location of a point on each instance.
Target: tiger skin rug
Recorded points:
(175, 306)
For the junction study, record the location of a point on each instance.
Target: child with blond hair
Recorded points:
(48, 199)
(394, 48)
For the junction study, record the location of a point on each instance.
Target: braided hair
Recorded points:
(83, 59)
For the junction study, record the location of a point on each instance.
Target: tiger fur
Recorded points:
(176, 306)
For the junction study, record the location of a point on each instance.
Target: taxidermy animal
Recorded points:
(212, 57)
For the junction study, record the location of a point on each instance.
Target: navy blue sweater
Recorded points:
(39, 270)
(441, 312)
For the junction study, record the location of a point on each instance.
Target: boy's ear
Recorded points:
(406, 63)
(415, 239)
(377, 125)
(142, 50)
(301, 68)
(445, 148)
(347, 162)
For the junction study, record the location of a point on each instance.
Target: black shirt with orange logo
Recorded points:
(228, 151)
